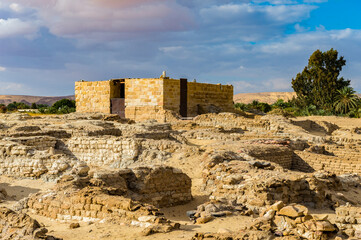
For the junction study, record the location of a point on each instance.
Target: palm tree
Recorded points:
(345, 100)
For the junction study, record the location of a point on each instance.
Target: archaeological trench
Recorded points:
(218, 176)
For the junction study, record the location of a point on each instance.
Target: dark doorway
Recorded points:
(183, 97)
(122, 90)
(117, 103)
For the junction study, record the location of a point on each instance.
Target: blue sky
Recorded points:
(258, 46)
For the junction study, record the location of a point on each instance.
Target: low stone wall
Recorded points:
(37, 142)
(306, 161)
(348, 220)
(281, 155)
(108, 151)
(85, 206)
(161, 186)
(230, 120)
(114, 196)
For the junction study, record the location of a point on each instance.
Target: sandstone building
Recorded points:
(147, 98)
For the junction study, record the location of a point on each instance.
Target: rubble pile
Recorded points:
(20, 226)
(348, 220)
(227, 175)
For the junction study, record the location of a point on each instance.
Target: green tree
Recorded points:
(346, 100)
(64, 102)
(319, 81)
(34, 106)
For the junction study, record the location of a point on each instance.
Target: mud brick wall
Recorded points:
(334, 164)
(348, 220)
(204, 94)
(104, 151)
(85, 207)
(93, 96)
(277, 154)
(37, 142)
(161, 186)
(350, 152)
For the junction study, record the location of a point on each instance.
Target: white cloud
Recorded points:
(278, 84)
(342, 34)
(16, 7)
(11, 88)
(12, 27)
(112, 19)
(243, 86)
(2, 69)
(259, 14)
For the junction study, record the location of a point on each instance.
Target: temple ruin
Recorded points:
(149, 98)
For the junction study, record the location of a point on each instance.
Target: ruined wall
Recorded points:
(143, 98)
(277, 154)
(25, 161)
(204, 95)
(93, 96)
(161, 186)
(306, 161)
(105, 151)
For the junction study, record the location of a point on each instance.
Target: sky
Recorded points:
(257, 46)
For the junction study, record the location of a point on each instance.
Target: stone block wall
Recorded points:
(172, 94)
(143, 113)
(144, 98)
(204, 95)
(93, 96)
(143, 92)
(200, 97)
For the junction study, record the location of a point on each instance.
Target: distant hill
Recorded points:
(267, 97)
(6, 99)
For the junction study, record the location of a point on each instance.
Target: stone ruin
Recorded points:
(114, 170)
(110, 196)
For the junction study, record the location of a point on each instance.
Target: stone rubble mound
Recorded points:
(20, 226)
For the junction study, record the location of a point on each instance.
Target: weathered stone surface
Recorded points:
(20, 226)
